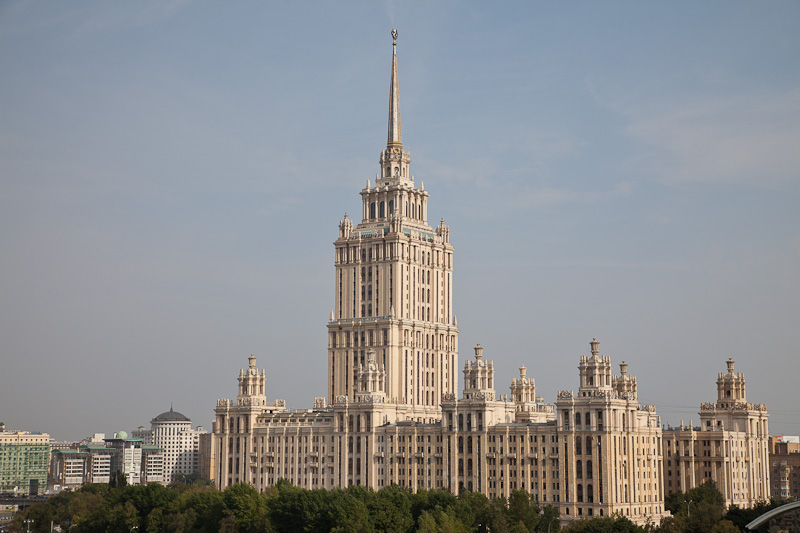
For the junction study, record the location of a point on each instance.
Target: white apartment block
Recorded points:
(172, 432)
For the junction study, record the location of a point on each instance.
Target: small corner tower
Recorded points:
(370, 381)
(730, 387)
(595, 370)
(479, 377)
(252, 385)
(523, 389)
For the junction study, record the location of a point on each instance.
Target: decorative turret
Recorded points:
(730, 387)
(345, 227)
(595, 371)
(479, 377)
(732, 411)
(624, 384)
(523, 389)
(443, 231)
(370, 381)
(528, 408)
(252, 385)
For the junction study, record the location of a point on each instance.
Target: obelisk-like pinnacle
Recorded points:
(395, 132)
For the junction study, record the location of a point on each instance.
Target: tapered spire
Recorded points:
(395, 131)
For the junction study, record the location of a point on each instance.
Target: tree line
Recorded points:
(200, 508)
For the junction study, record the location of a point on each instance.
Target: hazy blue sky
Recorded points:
(172, 175)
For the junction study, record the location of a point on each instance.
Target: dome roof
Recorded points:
(121, 435)
(171, 416)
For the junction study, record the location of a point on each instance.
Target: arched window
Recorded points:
(588, 418)
(580, 493)
(391, 207)
(589, 470)
(372, 210)
(383, 210)
(588, 445)
(578, 470)
(577, 419)
(589, 493)
(578, 446)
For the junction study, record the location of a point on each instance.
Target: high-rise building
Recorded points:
(392, 415)
(730, 446)
(394, 287)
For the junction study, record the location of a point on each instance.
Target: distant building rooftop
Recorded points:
(171, 416)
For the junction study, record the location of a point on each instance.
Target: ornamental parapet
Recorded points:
(359, 319)
(247, 400)
(489, 396)
(224, 403)
(565, 395)
(340, 400)
(735, 405)
(395, 154)
(371, 399)
(417, 234)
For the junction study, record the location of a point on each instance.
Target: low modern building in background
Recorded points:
(784, 460)
(24, 461)
(96, 461)
(139, 462)
(730, 446)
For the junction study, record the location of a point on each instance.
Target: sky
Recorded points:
(172, 175)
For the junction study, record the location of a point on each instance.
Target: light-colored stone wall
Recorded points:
(730, 446)
(610, 462)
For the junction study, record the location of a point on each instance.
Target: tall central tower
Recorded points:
(394, 287)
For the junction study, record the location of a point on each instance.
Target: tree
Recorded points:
(698, 510)
(618, 524)
(426, 523)
(725, 526)
(741, 517)
(244, 502)
(523, 509)
(390, 510)
(470, 508)
(551, 519)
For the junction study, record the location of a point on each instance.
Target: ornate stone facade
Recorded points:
(729, 447)
(392, 415)
(394, 288)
